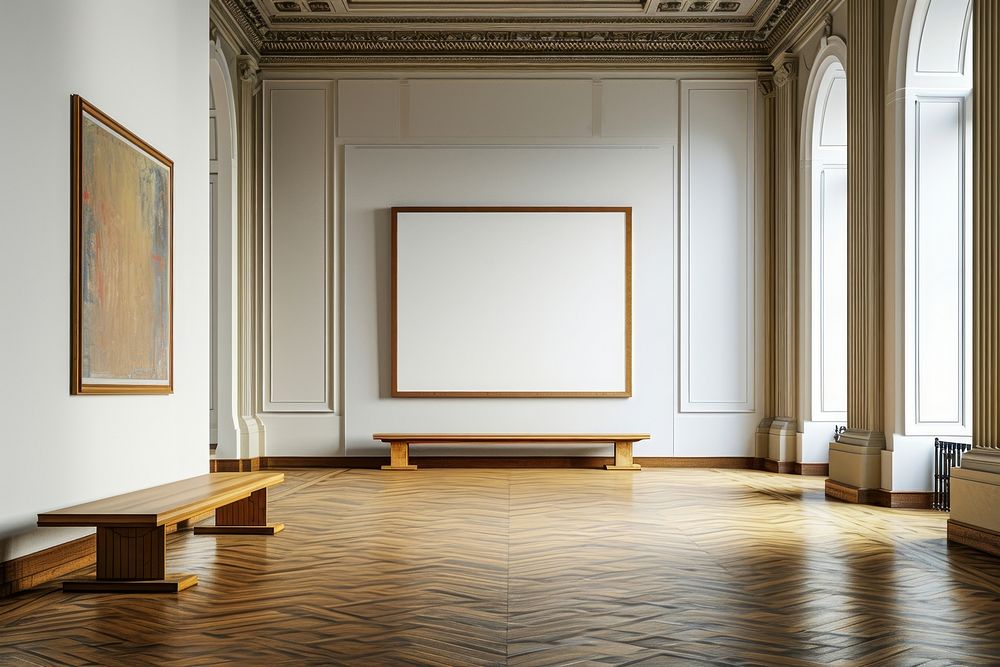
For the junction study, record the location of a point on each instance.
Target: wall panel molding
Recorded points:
(830, 401)
(501, 108)
(937, 327)
(298, 256)
(717, 277)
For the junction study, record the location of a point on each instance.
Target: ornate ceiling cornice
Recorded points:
(248, 17)
(442, 40)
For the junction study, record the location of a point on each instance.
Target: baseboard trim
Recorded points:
(780, 467)
(234, 465)
(914, 500)
(910, 500)
(982, 539)
(848, 493)
(548, 462)
(791, 467)
(43, 566)
(814, 469)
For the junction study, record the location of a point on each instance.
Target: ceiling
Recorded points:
(523, 32)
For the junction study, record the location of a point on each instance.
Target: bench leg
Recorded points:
(623, 458)
(399, 457)
(243, 517)
(131, 560)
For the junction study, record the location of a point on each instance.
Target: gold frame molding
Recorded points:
(78, 107)
(626, 210)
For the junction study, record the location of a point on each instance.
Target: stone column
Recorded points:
(765, 85)
(781, 441)
(251, 444)
(975, 487)
(855, 461)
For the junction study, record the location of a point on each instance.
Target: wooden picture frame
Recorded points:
(626, 391)
(121, 258)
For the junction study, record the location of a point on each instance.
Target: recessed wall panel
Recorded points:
(639, 108)
(500, 108)
(834, 130)
(296, 251)
(943, 36)
(717, 214)
(833, 290)
(368, 108)
(939, 260)
(379, 177)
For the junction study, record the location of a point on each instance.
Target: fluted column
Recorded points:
(865, 226)
(784, 250)
(986, 226)
(985, 239)
(856, 460)
(785, 246)
(975, 487)
(251, 428)
(765, 85)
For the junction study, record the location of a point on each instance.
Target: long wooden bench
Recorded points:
(399, 444)
(131, 528)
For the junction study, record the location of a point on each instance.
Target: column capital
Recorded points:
(765, 84)
(786, 68)
(248, 70)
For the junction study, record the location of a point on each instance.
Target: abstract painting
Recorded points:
(122, 265)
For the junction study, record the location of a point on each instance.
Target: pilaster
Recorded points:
(251, 437)
(781, 445)
(855, 461)
(975, 487)
(767, 89)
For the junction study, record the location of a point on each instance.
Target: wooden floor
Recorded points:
(543, 567)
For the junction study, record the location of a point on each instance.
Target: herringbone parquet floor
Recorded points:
(543, 567)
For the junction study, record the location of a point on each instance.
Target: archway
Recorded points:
(222, 171)
(823, 254)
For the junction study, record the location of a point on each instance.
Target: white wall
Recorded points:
(494, 176)
(146, 65)
(538, 139)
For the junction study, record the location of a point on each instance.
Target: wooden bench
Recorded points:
(131, 528)
(399, 444)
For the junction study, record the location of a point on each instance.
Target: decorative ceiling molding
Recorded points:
(651, 39)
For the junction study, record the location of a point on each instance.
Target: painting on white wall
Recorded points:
(122, 210)
(511, 302)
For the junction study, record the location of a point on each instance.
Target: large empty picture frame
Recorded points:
(511, 302)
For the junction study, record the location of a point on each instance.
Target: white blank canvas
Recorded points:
(511, 302)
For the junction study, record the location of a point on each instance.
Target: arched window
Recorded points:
(933, 214)
(824, 250)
